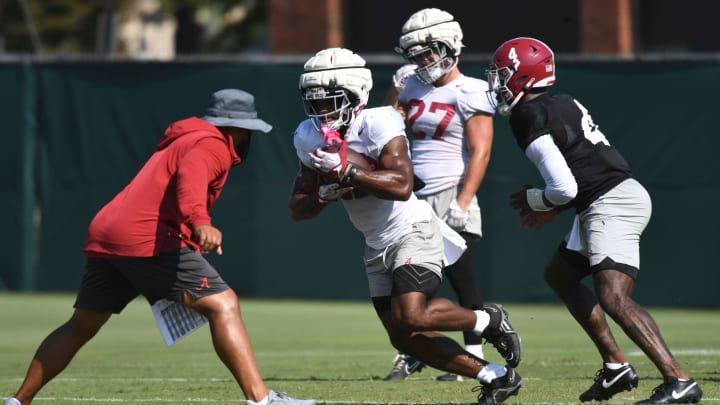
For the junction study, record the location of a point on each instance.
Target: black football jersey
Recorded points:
(596, 165)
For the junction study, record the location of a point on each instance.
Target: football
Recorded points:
(358, 160)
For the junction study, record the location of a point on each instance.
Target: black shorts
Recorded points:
(109, 284)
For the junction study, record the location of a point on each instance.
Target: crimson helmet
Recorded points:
(519, 65)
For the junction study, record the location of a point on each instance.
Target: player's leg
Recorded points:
(563, 274)
(231, 341)
(185, 276)
(614, 290)
(58, 349)
(462, 280)
(103, 290)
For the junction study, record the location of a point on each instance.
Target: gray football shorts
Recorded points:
(608, 232)
(422, 247)
(109, 284)
(440, 202)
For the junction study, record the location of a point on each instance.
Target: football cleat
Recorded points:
(610, 382)
(281, 398)
(500, 388)
(403, 366)
(675, 392)
(501, 335)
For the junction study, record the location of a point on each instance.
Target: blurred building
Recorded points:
(606, 27)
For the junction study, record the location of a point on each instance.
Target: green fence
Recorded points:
(76, 132)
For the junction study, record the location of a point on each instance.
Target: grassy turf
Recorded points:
(336, 352)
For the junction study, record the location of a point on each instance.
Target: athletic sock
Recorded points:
(263, 401)
(490, 372)
(476, 350)
(615, 366)
(482, 321)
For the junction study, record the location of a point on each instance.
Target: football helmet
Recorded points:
(519, 66)
(335, 87)
(427, 32)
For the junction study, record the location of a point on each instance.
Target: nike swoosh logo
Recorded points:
(607, 384)
(678, 395)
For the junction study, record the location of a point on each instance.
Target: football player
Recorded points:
(451, 122)
(404, 239)
(584, 172)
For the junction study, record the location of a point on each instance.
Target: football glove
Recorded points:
(332, 163)
(455, 217)
(331, 192)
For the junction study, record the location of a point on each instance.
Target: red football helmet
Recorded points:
(519, 65)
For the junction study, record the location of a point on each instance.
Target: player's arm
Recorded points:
(310, 194)
(537, 206)
(304, 199)
(560, 184)
(393, 179)
(479, 137)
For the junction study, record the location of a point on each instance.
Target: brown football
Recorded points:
(358, 160)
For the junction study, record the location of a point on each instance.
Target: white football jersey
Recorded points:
(382, 222)
(436, 117)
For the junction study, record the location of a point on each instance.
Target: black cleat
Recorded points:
(675, 392)
(610, 382)
(500, 388)
(403, 366)
(502, 336)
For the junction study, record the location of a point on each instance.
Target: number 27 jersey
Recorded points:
(436, 117)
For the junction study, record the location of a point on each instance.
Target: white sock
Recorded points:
(11, 401)
(482, 321)
(476, 350)
(490, 372)
(263, 401)
(615, 366)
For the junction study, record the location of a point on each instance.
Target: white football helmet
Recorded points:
(431, 31)
(335, 87)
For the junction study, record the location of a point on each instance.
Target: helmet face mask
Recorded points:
(440, 60)
(335, 87)
(497, 80)
(332, 108)
(431, 34)
(519, 66)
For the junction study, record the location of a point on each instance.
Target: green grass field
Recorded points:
(335, 352)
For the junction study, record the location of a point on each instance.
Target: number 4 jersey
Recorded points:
(436, 117)
(595, 164)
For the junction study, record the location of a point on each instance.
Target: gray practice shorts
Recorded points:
(608, 232)
(441, 201)
(422, 247)
(109, 284)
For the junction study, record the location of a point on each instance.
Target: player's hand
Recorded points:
(208, 238)
(331, 192)
(529, 219)
(328, 162)
(535, 220)
(455, 217)
(518, 199)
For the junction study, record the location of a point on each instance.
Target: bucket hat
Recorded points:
(235, 108)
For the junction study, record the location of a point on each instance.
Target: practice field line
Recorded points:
(204, 400)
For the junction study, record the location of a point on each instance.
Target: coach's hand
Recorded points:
(208, 238)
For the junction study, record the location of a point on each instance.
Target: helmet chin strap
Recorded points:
(505, 109)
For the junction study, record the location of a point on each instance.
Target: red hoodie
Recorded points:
(169, 197)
